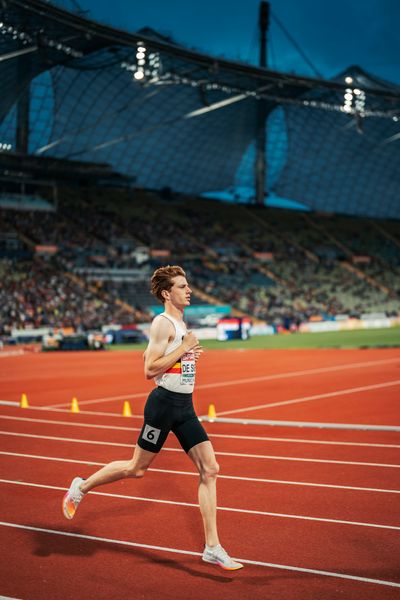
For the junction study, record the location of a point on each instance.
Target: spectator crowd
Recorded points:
(84, 264)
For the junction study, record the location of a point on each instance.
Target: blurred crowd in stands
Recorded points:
(88, 263)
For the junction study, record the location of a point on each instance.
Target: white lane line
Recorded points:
(128, 396)
(68, 423)
(222, 508)
(303, 424)
(261, 422)
(301, 459)
(8, 353)
(298, 373)
(354, 390)
(246, 380)
(191, 473)
(121, 428)
(8, 403)
(93, 538)
(217, 452)
(300, 440)
(69, 440)
(96, 413)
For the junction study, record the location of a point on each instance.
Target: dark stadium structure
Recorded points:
(168, 117)
(111, 145)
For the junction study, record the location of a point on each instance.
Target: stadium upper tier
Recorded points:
(88, 264)
(170, 117)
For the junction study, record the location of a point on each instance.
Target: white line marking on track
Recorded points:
(246, 380)
(8, 353)
(66, 439)
(343, 392)
(69, 423)
(93, 538)
(298, 373)
(191, 473)
(303, 424)
(96, 413)
(218, 453)
(312, 460)
(217, 435)
(222, 508)
(128, 396)
(300, 440)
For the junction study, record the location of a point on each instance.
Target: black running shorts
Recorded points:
(167, 411)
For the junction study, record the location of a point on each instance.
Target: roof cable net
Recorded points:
(190, 122)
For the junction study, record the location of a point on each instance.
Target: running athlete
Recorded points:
(170, 358)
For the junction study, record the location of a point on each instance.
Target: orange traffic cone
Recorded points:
(24, 401)
(211, 412)
(126, 411)
(74, 406)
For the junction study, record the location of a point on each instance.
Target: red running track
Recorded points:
(316, 510)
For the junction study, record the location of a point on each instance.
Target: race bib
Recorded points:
(151, 434)
(188, 369)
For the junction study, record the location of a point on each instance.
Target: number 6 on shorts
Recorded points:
(151, 434)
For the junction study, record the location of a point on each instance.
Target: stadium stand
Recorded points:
(105, 162)
(270, 264)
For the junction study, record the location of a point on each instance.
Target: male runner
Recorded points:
(170, 359)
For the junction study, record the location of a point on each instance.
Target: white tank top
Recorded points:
(180, 377)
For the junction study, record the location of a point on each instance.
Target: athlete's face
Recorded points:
(180, 292)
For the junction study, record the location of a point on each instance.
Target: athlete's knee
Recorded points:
(135, 471)
(209, 471)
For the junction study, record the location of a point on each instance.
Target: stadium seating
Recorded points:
(88, 263)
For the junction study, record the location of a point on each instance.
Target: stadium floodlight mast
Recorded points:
(354, 103)
(145, 66)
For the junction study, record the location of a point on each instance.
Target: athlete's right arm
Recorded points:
(155, 363)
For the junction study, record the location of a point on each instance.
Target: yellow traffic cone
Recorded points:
(24, 401)
(126, 411)
(74, 406)
(211, 412)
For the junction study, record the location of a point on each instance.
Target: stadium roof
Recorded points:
(172, 117)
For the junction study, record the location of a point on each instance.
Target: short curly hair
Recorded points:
(162, 279)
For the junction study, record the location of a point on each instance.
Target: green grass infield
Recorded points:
(359, 338)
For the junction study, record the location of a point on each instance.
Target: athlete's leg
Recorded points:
(136, 467)
(119, 469)
(154, 432)
(204, 458)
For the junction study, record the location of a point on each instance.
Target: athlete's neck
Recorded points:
(173, 311)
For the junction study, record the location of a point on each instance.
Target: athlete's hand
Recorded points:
(197, 351)
(190, 341)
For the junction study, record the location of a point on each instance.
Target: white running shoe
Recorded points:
(218, 556)
(72, 498)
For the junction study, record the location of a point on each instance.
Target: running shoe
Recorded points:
(218, 556)
(72, 498)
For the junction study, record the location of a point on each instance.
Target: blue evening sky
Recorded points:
(333, 35)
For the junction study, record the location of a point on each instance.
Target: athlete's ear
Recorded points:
(165, 294)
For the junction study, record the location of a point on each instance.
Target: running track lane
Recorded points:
(51, 379)
(372, 508)
(279, 468)
(115, 420)
(247, 446)
(375, 596)
(153, 527)
(73, 568)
